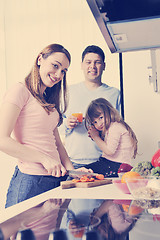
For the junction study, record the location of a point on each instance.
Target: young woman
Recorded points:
(113, 136)
(31, 110)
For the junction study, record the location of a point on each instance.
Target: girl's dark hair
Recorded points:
(51, 98)
(101, 105)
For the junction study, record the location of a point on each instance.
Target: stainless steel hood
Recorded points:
(128, 25)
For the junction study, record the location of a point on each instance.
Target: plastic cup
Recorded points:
(79, 116)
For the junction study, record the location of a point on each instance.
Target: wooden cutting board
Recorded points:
(70, 184)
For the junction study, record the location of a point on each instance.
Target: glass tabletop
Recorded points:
(75, 219)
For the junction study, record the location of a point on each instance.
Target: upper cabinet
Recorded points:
(128, 25)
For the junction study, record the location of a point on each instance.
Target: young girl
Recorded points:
(31, 110)
(112, 135)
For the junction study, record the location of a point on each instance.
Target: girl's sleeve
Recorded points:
(17, 95)
(113, 137)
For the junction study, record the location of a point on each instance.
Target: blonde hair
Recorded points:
(101, 105)
(51, 98)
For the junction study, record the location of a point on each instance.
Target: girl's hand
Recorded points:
(93, 132)
(53, 167)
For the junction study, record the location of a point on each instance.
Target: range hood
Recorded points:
(128, 25)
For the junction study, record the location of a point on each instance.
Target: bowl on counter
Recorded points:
(121, 186)
(144, 187)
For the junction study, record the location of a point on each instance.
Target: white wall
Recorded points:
(33, 24)
(26, 26)
(141, 103)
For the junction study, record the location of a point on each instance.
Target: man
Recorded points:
(81, 149)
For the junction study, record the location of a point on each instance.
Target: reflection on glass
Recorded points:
(41, 219)
(81, 219)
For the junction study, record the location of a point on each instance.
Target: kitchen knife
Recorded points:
(74, 173)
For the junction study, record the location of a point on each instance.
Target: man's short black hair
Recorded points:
(93, 49)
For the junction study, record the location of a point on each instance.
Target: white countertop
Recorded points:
(109, 191)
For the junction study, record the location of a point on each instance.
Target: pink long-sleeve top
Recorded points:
(119, 142)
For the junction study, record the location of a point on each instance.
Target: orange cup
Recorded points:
(79, 116)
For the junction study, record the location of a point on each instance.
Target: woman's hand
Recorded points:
(93, 132)
(53, 167)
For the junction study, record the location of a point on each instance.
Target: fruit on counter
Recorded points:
(124, 167)
(156, 159)
(155, 171)
(143, 168)
(146, 169)
(130, 175)
(83, 179)
(100, 176)
(89, 179)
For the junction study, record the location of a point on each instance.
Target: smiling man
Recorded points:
(81, 149)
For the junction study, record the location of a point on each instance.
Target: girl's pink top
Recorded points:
(119, 142)
(34, 128)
